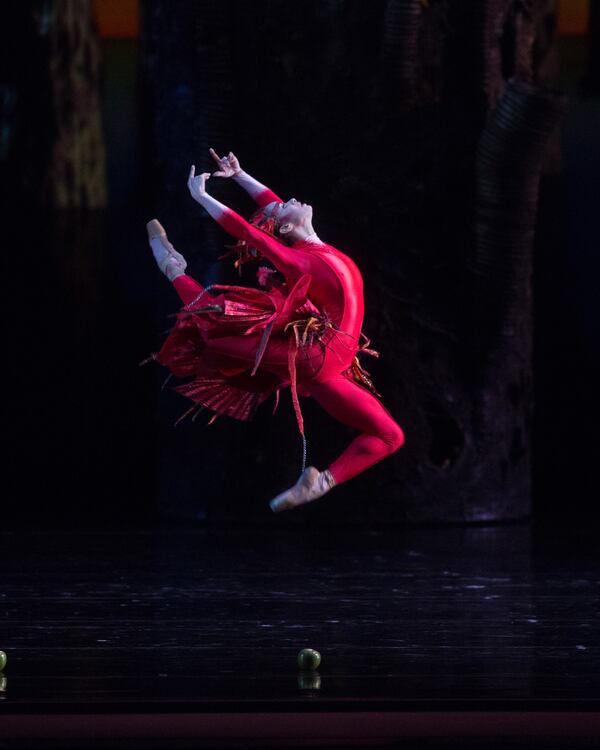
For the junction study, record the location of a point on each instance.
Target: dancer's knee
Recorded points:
(393, 437)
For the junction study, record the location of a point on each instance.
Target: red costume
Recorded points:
(240, 345)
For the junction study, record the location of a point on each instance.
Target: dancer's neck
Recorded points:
(307, 234)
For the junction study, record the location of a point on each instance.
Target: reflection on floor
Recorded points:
(409, 622)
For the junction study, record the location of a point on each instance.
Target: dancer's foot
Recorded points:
(170, 262)
(311, 485)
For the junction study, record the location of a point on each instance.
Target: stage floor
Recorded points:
(461, 623)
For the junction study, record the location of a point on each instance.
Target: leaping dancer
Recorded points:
(240, 345)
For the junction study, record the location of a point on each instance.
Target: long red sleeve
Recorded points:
(290, 262)
(267, 196)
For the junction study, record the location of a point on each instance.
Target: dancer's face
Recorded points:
(293, 212)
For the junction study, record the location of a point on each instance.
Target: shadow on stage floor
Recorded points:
(190, 636)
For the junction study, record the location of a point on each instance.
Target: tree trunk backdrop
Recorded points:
(418, 131)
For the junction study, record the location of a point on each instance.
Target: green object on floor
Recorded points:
(308, 658)
(2, 660)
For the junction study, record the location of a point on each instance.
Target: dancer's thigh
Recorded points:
(308, 360)
(353, 405)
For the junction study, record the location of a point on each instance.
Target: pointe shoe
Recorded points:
(311, 485)
(155, 229)
(170, 262)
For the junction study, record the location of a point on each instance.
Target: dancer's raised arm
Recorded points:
(286, 260)
(229, 166)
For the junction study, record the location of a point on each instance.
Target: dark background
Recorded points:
(320, 101)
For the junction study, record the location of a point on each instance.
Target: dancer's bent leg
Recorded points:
(356, 407)
(380, 435)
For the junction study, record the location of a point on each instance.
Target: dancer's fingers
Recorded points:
(214, 155)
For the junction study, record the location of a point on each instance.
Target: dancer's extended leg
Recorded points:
(188, 289)
(275, 357)
(170, 262)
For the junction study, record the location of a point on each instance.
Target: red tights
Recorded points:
(343, 399)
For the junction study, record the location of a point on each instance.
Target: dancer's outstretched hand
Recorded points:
(228, 165)
(197, 184)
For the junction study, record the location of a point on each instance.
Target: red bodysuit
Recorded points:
(236, 346)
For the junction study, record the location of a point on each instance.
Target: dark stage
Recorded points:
(169, 636)
(151, 598)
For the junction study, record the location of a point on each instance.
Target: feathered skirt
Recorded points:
(235, 386)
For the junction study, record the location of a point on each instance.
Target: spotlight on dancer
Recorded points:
(241, 345)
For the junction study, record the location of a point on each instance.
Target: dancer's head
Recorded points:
(287, 220)
(290, 221)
